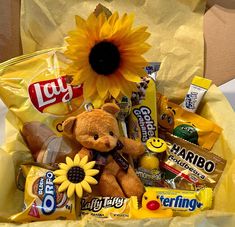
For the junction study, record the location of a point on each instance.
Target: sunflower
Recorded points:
(76, 176)
(106, 54)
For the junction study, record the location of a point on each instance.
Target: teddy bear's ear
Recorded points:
(68, 125)
(111, 108)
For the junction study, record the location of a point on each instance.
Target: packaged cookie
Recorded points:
(42, 201)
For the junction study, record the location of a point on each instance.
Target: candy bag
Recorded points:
(174, 119)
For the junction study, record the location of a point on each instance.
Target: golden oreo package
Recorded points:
(42, 201)
(188, 166)
(183, 202)
(142, 122)
(189, 126)
(108, 207)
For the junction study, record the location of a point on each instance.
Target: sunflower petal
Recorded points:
(130, 76)
(89, 86)
(79, 190)
(86, 186)
(90, 180)
(83, 161)
(76, 160)
(60, 179)
(102, 86)
(113, 18)
(69, 161)
(70, 190)
(63, 166)
(114, 86)
(60, 172)
(80, 22)
(91, 172)
(64, 186)
(105, 31)
(89, 165)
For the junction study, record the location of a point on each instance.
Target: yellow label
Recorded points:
(142, 122)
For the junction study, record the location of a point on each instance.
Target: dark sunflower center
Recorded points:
(76, 174)
(104, 58)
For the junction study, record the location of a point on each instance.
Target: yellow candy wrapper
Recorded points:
(189, 126)
(108, 207)
(182, 202)
(42, 201)
(195, 94)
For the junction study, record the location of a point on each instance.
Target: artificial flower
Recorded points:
(76, 176)
(106, 54)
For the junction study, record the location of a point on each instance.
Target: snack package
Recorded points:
(183, 202)
(42, 201)
(195, 94)
(108, 207)
(142, 122)
(188, 166)
(174, 119)
(35, 88)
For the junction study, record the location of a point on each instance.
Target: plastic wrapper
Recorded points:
(35, 88)
(42, 201)
(192, 127)
(188, 167)
(183, 202)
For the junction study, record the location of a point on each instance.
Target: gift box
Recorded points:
(177, 40)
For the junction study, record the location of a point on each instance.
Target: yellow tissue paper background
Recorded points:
(177, 40)
(175, 27)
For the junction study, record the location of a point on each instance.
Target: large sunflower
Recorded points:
(107, 55)
(76, 176)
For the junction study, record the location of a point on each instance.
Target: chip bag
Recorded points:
(36, 90)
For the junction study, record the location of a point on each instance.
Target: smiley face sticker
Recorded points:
(156, 145)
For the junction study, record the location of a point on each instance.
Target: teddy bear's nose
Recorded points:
(107, 144)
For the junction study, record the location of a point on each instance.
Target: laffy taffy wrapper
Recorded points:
(108, 207)
(189, 126)
(183, 202)
(42, 201)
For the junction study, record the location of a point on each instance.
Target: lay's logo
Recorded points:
(49, 92)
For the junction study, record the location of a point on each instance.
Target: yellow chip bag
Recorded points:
(36, 89)
(42, 201)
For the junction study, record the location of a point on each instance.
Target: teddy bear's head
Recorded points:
(96, 129)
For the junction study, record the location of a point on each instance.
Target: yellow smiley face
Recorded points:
(156, 145)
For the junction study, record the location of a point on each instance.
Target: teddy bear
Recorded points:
(98, 132)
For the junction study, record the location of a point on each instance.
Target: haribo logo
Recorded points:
(49, 92)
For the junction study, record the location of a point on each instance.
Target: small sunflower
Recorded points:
(76, 176)
(106, 54)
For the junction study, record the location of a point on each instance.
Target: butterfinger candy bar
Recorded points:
(183, 202)
(187, 166)
(107, 207)
(42, 201)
